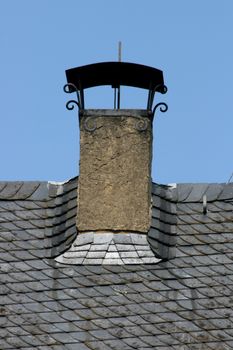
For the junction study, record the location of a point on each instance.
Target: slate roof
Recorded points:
(182, 302)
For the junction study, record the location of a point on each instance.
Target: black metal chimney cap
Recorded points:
(116, 74)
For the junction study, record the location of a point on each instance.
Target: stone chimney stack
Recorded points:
(114, 186)
(114, 192)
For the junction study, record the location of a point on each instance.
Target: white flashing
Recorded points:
(58, 182)
(172, 185)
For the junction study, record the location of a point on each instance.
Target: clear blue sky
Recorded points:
(191, 41)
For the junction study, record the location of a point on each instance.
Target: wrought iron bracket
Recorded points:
(70, 88)
(159, 88)
(90, 122)
(163, 108)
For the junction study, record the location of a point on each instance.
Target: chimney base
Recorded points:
(108, 248)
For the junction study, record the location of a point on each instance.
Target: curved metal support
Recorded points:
(70, 104)
(163, 108)
(159, 88)
(164, 90)
(69, 88)
(90, 124)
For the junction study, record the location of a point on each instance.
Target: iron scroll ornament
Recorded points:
(163, 108)
(69, 88)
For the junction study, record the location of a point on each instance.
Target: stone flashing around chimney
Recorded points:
(107, 248)
(114, 192)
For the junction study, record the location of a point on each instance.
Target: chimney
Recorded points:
(114, 185)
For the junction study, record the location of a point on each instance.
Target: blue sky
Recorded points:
(191, 41)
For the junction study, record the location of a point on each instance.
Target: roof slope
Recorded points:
(183, 302)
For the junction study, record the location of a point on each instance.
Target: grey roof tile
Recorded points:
(97, 345)
(117, 344)
(135, 343)
(151, 340)
(185, 299)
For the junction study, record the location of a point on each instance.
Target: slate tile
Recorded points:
(81, 336)
(137, 309)
(99, 247)
(131, 261)
(174, 338)
(102, 334)
(220, 259)
(139, 239)
(104, 301)
(151, 328)
(65, 338)
(84, 239)
(9, 189)
(100, 312)
(70, 261)
(137, 330)
(204, 324)
(69, 326)
(47, 339)
(161, 226)
(192, 283)
(103, 238)
(125, 247)
(117, 344)
(101, 323)
(150, 260)
(5, 345)
(227, 192)
(15, 342)
(169, 316)
(220, 334)
(122, 310)
(142, 247)
(214, 345)
(186, 326)
(116, 261)
(31, 340)
(146, 318)
(221, 323)
(224, 312)
(4, 333)
(135, 297)
(135, 342)
(133, 269)
(183, 192)
(89, 303)
(112, 255)
(123, 321)
(97, 345)
(156, 285)
(122, 239)
(66, 315)
(88, 314)
(171, 306)
(128, 254)
(139, 287)
(152, 341)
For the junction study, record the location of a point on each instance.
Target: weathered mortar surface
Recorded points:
(114, 190)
